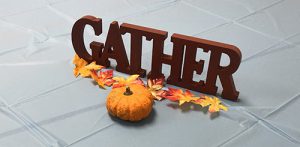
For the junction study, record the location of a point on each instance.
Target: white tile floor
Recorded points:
(42, 104)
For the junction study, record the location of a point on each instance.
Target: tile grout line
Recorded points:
(276, 130)
(237, 135)
(266, 49)
(264, 122)
(262, 9)
(283, 105)
(278, 40)
(35, 130)
(279, 132)
(236, 21)
(159, 7)
(56, 118)
(24, 100)
(256, 121)
(146, 10)
(284, 40)
(71, 19)
(32, 63)
(90, 134)
(31, 128)
(24, 11)
(248, 28)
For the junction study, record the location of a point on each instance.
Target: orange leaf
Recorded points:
(174, 94)
(187, 97)
(152, 82)
(121, 81)
(104, 78)
(155, 86)
(200, 102)
(178, 95)
(213, 103)
(159, 94)
(138, 81)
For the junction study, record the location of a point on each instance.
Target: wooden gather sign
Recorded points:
(180, 74)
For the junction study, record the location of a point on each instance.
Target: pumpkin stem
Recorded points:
(128, 91)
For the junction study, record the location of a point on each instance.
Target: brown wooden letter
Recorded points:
(114, 48)
(190, 65)
(159, 58)
(214, 68)
(224, 73)
(77, 36)
(137, 33)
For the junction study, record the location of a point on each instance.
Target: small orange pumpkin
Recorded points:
(132, 103)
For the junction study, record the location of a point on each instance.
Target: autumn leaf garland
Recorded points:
(213, 103)
(155, 86)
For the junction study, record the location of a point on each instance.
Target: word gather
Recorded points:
(182, 60)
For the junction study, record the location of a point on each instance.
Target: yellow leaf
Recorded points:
(222, 107)
(84, 72)
(121, 81)
(159, 94)
(75, 59)
(81, 67)
(93, 66)
(187, 98)
(214, 104)
(79, 62)
(76, 71)
(201, 102)
(131, 78)
(206, 101)
(155, 87)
